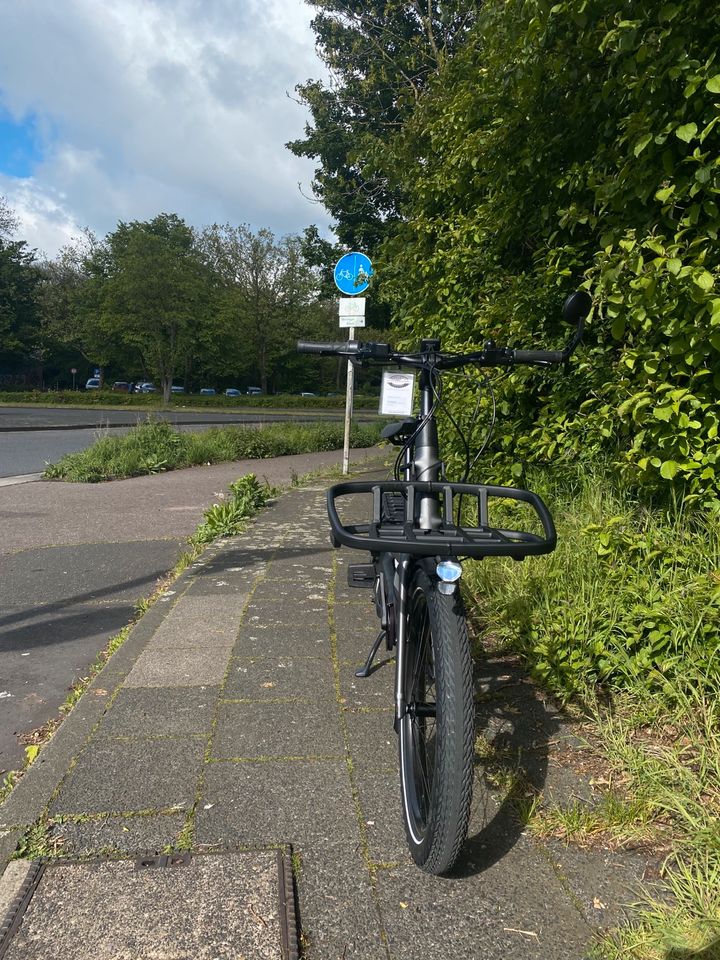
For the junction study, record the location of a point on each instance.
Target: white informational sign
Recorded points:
(396, 393)
(352, 311)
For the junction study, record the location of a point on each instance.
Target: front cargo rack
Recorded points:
(391, 532)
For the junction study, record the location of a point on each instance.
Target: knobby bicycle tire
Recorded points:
(437, 732)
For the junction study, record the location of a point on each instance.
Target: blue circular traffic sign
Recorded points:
(352, 273)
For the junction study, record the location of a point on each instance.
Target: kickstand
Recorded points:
(366, 669)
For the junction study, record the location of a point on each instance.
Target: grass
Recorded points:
(155, 447)
(624, 621)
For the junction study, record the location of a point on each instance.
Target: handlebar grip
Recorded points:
(539, 356)
(350, 346)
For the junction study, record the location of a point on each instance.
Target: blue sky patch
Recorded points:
(20, 150)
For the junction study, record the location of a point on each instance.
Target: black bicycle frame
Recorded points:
(422, 462)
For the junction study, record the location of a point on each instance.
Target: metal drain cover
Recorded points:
(230, 906)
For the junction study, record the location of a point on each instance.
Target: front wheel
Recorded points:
(438, 729)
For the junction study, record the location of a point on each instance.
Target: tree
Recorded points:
(8, 219)
(19, 320)
(265, 288)
(148, 290)
(381, 55)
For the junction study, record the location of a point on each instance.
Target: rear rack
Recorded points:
(449, 540)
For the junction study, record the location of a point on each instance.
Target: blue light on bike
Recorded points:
(449, 571)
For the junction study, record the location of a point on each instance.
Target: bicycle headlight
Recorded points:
(449, 572)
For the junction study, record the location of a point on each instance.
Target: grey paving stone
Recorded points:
(299, 595)
(380, 805)
(184, 667)
(219, 907)
(284, 610)
(261, 638)
(127, 835)
(193, 627)
(372, 738)
(338, 911)
(293, 565)
(264, 678)
(375, 691)
(514, 910)
(123, 776)
(278, 730)
(276, 802)
(160, 712)
(356, 630)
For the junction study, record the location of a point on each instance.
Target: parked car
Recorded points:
(146, 388)
(232, 392)
(207, 392)
(254, 391)
(176, 389)
(121, 386)
(93, 383)
(306, 393)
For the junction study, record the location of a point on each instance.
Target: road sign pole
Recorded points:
(348, 409)
(352, 276)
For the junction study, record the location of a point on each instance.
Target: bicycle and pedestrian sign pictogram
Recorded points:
(352, 273)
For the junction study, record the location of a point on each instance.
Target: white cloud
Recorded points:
(159, 105)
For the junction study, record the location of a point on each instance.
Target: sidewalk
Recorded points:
(231, 723)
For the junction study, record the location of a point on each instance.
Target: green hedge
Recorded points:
(104, 398)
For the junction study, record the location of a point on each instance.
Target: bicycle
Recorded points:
(416, 540)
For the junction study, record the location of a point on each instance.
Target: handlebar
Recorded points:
(576, 308)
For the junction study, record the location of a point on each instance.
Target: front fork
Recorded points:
(403, 575)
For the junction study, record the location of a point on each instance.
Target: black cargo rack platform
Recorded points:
(448, 540)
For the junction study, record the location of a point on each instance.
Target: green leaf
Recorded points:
(642, 143)
(705, 280)
(669, 469)
(687, 132)
(713, 84)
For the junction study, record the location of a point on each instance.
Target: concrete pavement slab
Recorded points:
(117, 835)
(292, 729)
(160, 711)
(338, 908)
(514, 910)
(269, 801)
(270, 678)
(113, 776)
(372, 738)
(186, 667)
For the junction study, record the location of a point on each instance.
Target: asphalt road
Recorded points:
(30, 437)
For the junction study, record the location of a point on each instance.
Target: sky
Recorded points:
(123, 110)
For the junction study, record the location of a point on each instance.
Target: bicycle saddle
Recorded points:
(398, 432)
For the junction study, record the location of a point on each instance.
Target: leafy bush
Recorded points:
(567, 144)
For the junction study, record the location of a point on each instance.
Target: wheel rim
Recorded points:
(418, 740)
